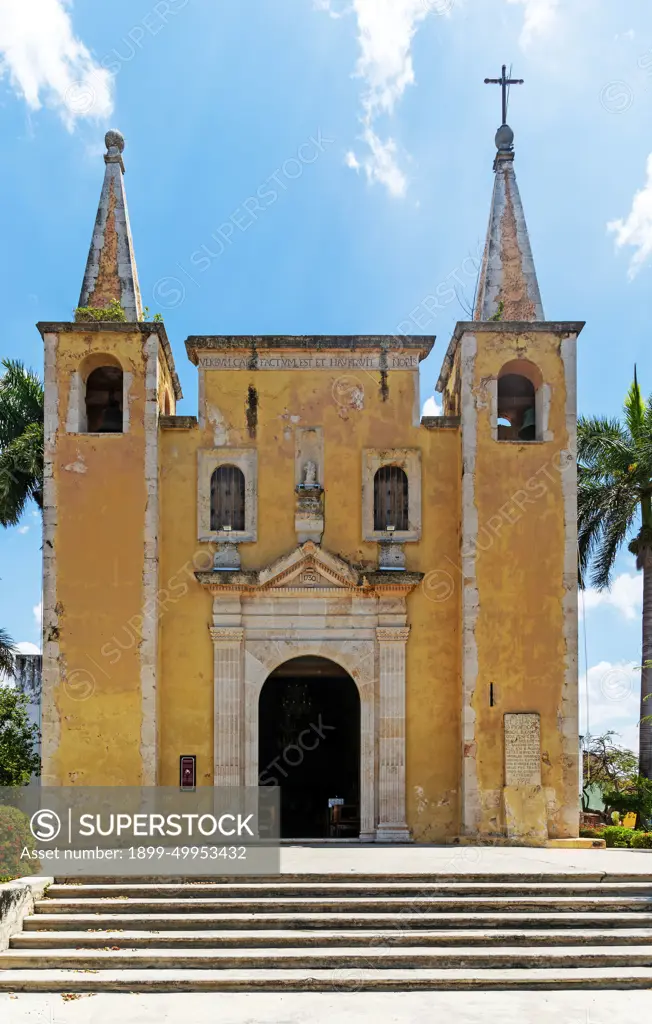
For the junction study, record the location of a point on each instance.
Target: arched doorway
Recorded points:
(309, 745)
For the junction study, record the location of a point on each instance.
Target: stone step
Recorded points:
(304, 939)
(348, 888)
(262, 921)
(408, 958)
(496, 877)
(398, 905)
(314, 980)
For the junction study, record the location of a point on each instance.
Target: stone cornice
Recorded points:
(329, 575)
(562, 328)
(251, 344)
(115, 326)
(247, 584)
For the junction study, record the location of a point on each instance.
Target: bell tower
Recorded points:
(510, 377)
(108, 378)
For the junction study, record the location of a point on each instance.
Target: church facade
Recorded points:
(309, 584)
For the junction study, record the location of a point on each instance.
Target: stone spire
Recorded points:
(111, 266)
(508, 288)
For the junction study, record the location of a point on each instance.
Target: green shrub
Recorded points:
(637, 799)
(15, 835)
(616, 835)
(642, 841)
(592, 833)
(91, 314)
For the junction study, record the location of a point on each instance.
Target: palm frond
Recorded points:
(606, 509)
(635, 409)
(7, 651)
(616, 528)
(603, 445)
(21, 440)
(21, 400)
(21, 474)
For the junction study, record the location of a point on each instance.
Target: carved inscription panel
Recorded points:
(522, 750)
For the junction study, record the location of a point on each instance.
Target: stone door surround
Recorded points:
(313, 603)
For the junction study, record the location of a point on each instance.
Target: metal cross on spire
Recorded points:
(505, 82)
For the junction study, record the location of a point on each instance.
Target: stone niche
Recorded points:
(524, 801)
(309, 484)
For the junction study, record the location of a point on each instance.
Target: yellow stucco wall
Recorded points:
(99, 543)
(100, 536)
(288, 400)
(520, 570)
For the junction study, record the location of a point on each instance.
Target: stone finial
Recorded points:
(115, 144)
(508, 288)
(504, 139)
(111, 271)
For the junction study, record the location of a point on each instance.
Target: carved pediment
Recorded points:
(311, 567)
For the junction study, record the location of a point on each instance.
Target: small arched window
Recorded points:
(104, 400)
(516, 413)
(227, 499)
(166, 405)
(390, 499)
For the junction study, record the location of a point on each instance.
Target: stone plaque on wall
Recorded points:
(522, 750)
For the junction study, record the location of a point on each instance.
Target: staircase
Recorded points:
(335, 932)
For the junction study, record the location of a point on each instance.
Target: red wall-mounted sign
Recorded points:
(188, 771)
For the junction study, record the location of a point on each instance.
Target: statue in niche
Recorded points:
(310, 474)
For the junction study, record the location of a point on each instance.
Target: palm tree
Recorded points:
(615, 506)
(21, 441)
(7, 651)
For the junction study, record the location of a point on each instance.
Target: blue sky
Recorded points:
(370, 122)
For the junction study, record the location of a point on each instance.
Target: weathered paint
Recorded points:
(486, 611)
(111, 273)
(508, 286)
(289, 401)
(100, 558)
(519, 558)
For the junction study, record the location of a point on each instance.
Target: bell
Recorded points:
(527, 430)
(111, 422)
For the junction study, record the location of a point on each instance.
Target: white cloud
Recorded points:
(47, 64)
(431, 407)
(327, 5)
(626, 595)
(381, 164)
(386, 29)
(614, 701)
(25, 647)
(38, 614)
(539, 19)
(636, 230)
(23, 529)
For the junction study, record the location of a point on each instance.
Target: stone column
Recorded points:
(229, 700)
(392, 826)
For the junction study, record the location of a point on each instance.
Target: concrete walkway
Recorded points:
(366, 859)
(602, 1007)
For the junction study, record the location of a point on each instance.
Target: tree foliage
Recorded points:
(615, 508)
(610, 765)
(7, 651)
(21, 441)
(18, 738)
